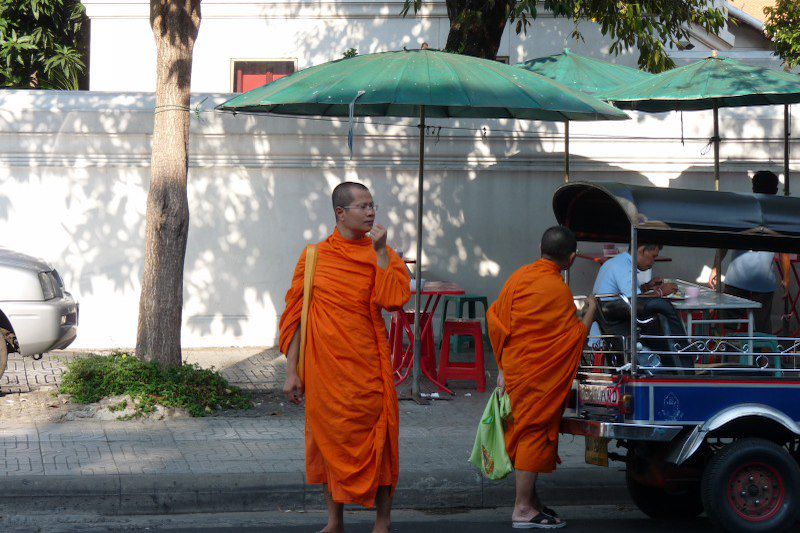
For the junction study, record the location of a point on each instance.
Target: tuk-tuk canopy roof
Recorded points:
(605, 212)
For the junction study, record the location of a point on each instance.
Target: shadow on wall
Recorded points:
(75, 170)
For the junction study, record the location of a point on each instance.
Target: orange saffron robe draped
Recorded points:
(352, 416)
(537, 341)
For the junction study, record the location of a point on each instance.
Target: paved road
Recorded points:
(616, 525)
(611, 519)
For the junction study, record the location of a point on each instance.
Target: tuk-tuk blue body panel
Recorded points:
(695, 401)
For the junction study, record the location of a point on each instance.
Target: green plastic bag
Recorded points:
(489, 453)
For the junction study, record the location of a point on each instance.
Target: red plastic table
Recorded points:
(433, 290)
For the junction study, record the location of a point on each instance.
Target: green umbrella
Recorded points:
(400, 84)
(713, 83)
(583, 74)
(424, 83)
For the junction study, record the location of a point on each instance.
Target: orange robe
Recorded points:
(352, 416)
(537, 341)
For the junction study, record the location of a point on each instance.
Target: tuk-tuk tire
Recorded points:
(775, 502)
(659, 504)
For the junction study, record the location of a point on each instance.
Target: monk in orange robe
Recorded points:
(537, 340)
(352, 416)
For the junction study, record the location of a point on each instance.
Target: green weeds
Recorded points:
(200, 391)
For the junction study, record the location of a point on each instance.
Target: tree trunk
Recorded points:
(175, 24)
(476, 26)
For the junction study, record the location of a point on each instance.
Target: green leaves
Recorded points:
(198, 390)
(783, 27)
(652, 26)
(41, 44)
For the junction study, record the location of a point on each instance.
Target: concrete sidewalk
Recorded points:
(251, 460)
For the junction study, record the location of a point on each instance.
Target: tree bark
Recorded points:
(175, 24)
(476, 26)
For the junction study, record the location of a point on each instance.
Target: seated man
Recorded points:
(615, 278)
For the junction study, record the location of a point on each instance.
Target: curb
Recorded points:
(212, 493)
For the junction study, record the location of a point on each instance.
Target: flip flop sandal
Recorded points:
(551, 512)
(540, 521)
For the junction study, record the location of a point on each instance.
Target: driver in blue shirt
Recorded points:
(614, 277)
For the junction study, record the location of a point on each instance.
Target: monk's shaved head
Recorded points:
(343, 193)
(558, 244)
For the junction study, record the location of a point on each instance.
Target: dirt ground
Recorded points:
(31, 402)
(39, 405)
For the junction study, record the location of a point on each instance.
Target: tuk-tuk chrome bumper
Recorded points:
(617, 430)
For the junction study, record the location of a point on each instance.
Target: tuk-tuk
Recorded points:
(711, 422)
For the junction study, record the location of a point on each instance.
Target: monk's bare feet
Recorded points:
(382, 528)
(333, 527)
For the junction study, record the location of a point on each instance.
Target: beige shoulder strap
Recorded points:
(308, 287)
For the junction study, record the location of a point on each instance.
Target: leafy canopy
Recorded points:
(39, 44)
(783, 27)
(649, 25)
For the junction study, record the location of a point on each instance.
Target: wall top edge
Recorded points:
(262, 9)
(64, 101)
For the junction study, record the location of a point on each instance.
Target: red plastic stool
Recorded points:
(473, 371)
(396, 343)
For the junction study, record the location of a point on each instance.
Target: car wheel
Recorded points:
(659, 503)
(752, 485)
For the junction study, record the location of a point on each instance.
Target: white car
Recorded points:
(36, 314)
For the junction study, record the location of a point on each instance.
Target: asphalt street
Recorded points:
(610, 518)
(617, 525)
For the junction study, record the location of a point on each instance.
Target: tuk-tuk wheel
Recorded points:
(752, 485)
(656, 502)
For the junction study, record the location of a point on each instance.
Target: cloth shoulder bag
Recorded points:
(308, 287)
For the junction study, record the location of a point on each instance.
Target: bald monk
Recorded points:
(352, 421)
(537, 340)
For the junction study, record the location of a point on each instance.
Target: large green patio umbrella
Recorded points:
(583, 74)
(713, 83)
(426, 84)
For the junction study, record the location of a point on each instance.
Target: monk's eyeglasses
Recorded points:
(362, 207)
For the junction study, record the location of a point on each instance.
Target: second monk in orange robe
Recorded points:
(537, 340)
(352, 416)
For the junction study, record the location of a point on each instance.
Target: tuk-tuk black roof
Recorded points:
(605, 211)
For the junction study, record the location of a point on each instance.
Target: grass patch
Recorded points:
(198, 390)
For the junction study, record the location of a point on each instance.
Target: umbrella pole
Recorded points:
(566, 151)
(415, 392)
(718, 258)
(716, 149)
(787, 133)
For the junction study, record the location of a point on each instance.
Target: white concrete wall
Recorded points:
(74, 169)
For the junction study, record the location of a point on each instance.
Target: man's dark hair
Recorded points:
(343, 193)
(559, 243)
(765, 182)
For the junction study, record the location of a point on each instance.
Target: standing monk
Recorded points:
(537, 340)
(352, 420)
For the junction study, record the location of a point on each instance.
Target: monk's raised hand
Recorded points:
(589, 310)
(293, 388)
(378, 236)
